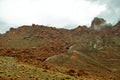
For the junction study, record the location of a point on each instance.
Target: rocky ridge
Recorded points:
(81, 51)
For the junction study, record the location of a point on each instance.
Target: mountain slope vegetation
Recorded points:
(91, 52)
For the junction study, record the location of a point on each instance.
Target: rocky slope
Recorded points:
(90, 52)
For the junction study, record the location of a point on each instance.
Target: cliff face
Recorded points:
(94, 51)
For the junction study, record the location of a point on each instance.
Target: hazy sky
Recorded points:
(58, 13)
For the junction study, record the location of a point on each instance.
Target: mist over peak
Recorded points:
(58, 13)
(51, 13)
(111, 13)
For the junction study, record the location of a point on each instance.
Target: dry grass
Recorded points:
(9, 69)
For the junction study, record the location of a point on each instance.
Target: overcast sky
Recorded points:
(58, 13)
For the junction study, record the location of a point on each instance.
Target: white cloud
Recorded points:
(112, 12)
(49, 12)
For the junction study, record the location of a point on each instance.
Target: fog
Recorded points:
(112, 12)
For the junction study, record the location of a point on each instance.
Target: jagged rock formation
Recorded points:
(81, 50)
(99, 23)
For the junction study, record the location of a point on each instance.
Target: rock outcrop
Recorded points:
(98, 23)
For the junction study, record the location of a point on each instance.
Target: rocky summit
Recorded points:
(83, 53)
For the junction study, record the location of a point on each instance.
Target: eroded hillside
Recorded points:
(92, 52)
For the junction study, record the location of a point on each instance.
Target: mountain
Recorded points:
(91, 52)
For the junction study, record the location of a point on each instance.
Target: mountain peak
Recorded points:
(98, 23)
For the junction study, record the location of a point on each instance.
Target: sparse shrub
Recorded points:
(71, 72)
